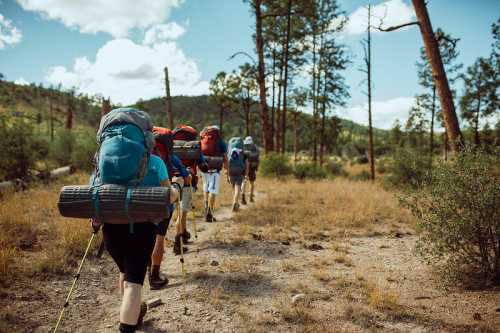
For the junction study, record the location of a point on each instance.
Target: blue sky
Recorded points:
(119, 47)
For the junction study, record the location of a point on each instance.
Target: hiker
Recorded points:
(214, 150)
(125, 143)
(164, 143)
(252, 155)
(237, 164)
(187, 148)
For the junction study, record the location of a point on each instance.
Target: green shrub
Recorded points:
(459, 216)
(381, 167)
(409, 168)
(309, 170)
(275, 165)
(360, 160)
(336, 168)
(362, 176)
(62, 148)
(83, 152)
(21, 148)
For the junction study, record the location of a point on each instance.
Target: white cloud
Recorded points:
(392, 12)
(115, 17)
(163, 32)
(9, 34)
(127, 71)
(22, 82)
(384, 113)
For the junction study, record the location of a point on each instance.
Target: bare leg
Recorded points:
(252, 189)
(131, 303)
(158, 251)
(121, 279)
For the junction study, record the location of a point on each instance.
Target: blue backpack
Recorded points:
(235, 157)
(125, 140)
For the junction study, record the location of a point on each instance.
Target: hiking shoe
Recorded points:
(144, 309)
(157, 282)
(243, 200)
(251, 198)
(209, 217)
(186, 236)
(236, 207)
(177, 246)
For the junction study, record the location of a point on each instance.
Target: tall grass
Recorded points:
(35, 238)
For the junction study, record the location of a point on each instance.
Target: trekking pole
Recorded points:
(183, 269)
(77, 276)
(194, 219)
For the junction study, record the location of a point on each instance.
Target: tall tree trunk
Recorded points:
(441, 81)
(322, 135)
(314, 94)
(433, 113)
(247, 117)
(69, 116)
(278, 111)
(273, 108)
(221, 117)
(477, 140)
(261, 79)
(168, 101)
(295, 137)
(369, 72)
(285, 82)
(445, 148)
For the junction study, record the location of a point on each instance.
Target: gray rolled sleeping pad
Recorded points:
(129, 115)
(146, 204)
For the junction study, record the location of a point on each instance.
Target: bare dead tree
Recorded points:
(168, 100)
(436, 62)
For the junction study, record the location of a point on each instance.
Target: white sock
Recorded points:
(131, 303)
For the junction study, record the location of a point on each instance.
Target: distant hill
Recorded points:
(32, 102)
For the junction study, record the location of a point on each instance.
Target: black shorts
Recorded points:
(130, 251)
(252, 174)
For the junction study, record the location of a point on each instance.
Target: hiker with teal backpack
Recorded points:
(237, 164)
(252, 155)
(124, 158)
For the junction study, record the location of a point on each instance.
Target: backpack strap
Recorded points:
(127, 203)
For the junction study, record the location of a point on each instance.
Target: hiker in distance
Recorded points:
(164, 143)
(188, 149)
(124, 158)
(237, 166)
(214, 149)
(252, 154)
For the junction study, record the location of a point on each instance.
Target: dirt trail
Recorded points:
(245, 284)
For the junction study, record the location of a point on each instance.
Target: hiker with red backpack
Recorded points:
(164, 143)
(124, 158)
(252, 155)
(188, 148)
(214, 149)
(237, 166)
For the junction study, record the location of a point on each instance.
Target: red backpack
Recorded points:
(186, 146)
(185, 133)
(164, 143)
(210, 137)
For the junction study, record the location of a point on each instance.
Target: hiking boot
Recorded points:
(177, 246)
(186, 236)
(251, 198)
(236, 207)
(157, 281)
(144, 309)
(243, 200)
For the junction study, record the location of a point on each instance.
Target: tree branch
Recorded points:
(396, 27)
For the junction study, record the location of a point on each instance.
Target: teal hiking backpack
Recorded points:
(235, 157)
(125, 140)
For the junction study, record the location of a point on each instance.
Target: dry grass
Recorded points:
(35, 238)
(339, 207)
(382, 298)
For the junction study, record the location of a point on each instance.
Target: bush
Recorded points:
(459, 216)
(380, 166)
(21, 148)
(362, 176)
(360, 160)
(336, 168)
(62, 148)
(83, 152)
(409, 168)
(309, 170)
(275, 165)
